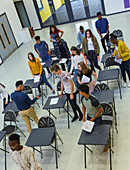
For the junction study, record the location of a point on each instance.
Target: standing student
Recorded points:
(122, 52)
(42, 49)
(90, 105)
(36, 69)
(102, 26)
(83, 70)
(4, 95)
(80, 35)
(53, 32)
(76, 57)
(70, 90)
(24, 103)
(22, 155)
(91, 49)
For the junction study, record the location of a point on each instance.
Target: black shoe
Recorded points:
(81, 117)
(74, 118)
(53, 92)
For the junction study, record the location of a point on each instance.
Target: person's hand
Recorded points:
(107, 32)
(37, 97)
(49, 53)
(6, 102)
(39, 75)
(50, 40)
(98, 58)
(92, 119)
(71, 96)
(118, 57)
(94, 83)
(84, 119)
(60, 95)
(39, 56)
(101, 36)
(112, 55)
(33, 76)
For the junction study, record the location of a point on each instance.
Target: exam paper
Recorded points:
(85, 79)
(88, 126)
(63, 60)
(36, 79)
(118, 60)
(54, 101)
(42, 63)
(104, 34)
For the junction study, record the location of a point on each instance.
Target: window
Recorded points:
(2, 42)
(40, 5)
(6, 34)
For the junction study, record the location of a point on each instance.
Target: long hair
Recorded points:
(53, 26)
(32, 56)
(85, 69)
(73, 48)
(2, 85)
(91, 34)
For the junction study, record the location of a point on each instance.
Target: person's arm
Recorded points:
(72, 89)
(83, 46)
(5, 94)
(78, 79)
(50, 38)
(84, 59)
(40, 66)
(100, 110)
(37, 51)
(107, 29)
(29, 101)
(97, 46)
(95, 77)
(31, 69)
(125, 50)
(62, 87)
(84, 112)
(99, 33)
(62, 32)
(78, 38)
(48, 49)
(72, 64)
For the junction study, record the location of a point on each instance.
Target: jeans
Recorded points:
(103, 42)
(92, 57)
(4, 100)
(125, 68)
(97, 120)
(63, 66)
(74, 105)
(44, 60)
(76, 71)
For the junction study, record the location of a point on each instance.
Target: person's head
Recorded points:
(84, 90)
(74, 51)
(14, 142)
(57, 38)
(19, 85)
(53, 29)
(88, 33)
(37, 39)
(82, 68)
(81, 28)
(56, 69)
(99, 15)
(31, 56)
(113, 38)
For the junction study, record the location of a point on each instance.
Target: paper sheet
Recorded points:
(63, 60)
(88, 126)
(104, 35)
(36, 79)
(42, 63)
(54, 101)
(85, 79)
(118, 60)
(53, 40)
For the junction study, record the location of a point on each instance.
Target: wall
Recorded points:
(114, 6)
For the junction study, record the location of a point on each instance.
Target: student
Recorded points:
(122, 52)
(61, 50)
(42, 49)
(36, 69)
(24, 103)
(4, 95)
(80, 35)
(84, 70)
(22, 155)
(53, 32)
(91, 49)
(76, 57)
(102, 26)
(70, 90)
(90, 105)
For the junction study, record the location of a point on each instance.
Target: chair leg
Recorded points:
(21, 131)
(59, 111)
(59, 137)
(37, 104)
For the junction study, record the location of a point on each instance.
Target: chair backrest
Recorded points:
(107, 115)
(27, 89)
(10, 116)
(118, 33)
(101, 87)
(110, 61)
(46, 122)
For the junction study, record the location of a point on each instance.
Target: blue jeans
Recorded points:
(44, 60)
(76, 71)
(125, 68)
(97, 120)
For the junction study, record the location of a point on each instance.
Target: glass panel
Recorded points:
(94, 7)
(3, 27)
(2, 42)
(78, 9)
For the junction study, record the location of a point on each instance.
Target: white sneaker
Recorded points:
(128, 84)
(49, 75)
(124, 85)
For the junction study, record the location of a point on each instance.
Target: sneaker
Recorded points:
(106, 148)
(128, 84)
(124, 85)
(49, 75)
(74, 118)
(53, 91)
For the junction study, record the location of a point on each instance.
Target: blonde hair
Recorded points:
(85, 69)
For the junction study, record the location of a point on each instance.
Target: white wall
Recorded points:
(113, 6)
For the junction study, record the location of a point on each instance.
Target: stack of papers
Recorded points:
(88, 126)
(85, 79)
(54, 101)
(63, 60)
(36, 79)
(118, 60)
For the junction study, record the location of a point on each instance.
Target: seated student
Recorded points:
(80, 35)
(4, 95)
(61, 50)
(122, 52)
(22, 155)
(42, 49)
(76, 57)
(90, 105)
(84, 70)
(24, 103)
(70, 90)
(36, 69)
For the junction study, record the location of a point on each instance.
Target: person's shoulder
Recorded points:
(82, 98)
(84, 38)
(92, 98)
(37, 59)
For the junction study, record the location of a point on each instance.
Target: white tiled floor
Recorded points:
(16, 67)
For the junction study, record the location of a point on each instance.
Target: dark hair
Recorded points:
(30, 53)
(18, 83)
(2, 85)
(113, 36)
(13, 137)
(91, 34)
(53, 26)
(84, 88)
(81, 28)
(73, 48)
(55, 68)
(57, 36)
(37, 38)
(99, 13)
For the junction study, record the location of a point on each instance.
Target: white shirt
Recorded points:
(75, 60)
(3, 93)
(25, 159)
(90, 44)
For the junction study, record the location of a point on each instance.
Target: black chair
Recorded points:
(110, 61)
(52, 51)
(101, 87)
(118, 33)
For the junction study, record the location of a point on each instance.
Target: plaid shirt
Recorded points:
(57, 49)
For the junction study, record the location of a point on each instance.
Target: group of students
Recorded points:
(91, 108)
